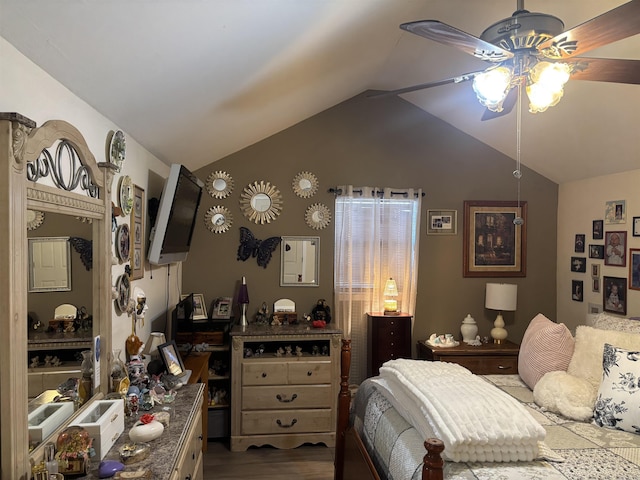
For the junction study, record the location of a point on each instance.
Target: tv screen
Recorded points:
(171, 235)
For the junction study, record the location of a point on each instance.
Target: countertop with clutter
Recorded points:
(164, 450)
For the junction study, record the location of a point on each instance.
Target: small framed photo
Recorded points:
(595, 308)
(199, 307)
(579, 243)
(636, 227)
(578, 264)
(137, 234)
(615, 249)
(596, 251)
(595, 270)
(598, 230)
(442, 222)
(634, 268)
(614, 295)
(171, 358)
(221, 308)
(616, 212)
(595, 285)
(576, 290)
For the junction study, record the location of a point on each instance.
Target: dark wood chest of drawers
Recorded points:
(485, 359)
(389, 337)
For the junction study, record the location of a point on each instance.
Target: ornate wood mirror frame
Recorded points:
(22, 142)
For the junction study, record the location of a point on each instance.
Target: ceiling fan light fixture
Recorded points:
(492, 87)
(545, 87)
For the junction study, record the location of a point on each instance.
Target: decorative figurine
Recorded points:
(35, 361)
(321, 311)
(287, 350)
(279, 352)
(298, 350)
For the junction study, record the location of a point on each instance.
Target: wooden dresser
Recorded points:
(279, 398)
(389, 337)
(485, 359)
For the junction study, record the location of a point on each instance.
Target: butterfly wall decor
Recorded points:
(250, 246)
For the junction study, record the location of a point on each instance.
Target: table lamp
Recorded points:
(504, 298)
(243, 300)
(151, 347)
(390, 303)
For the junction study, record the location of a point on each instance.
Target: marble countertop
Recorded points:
(164, 450)
(297, 329)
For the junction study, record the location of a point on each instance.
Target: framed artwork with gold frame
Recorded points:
(137, 234)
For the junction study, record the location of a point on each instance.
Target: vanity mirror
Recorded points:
(22, 153)
(261, 202)
(300, 262)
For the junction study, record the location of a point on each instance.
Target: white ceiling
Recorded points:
(196, 80)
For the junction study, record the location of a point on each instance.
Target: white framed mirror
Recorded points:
(49, 264)
(300, 262)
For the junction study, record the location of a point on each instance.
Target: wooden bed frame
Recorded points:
(351, 457)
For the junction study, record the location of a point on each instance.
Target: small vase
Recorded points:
(118, 372)
(86, 382)
(469, 329)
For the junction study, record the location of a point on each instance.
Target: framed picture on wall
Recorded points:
(595, 284)
(634, 268)
(615, 249)
(577, 292)
(636, 227)
(614, 295)
(596, 251)
(598, 229)
(615, 212)
(595, 308)
(579, 243)
(495, 239)
(578, 264)
(137, 233)
(442, 222)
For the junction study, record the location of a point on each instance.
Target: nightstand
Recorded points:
(388, 338)
(485, 359)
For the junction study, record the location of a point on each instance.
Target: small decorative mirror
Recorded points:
(219, 184)
(318, 216)
(261, 202)
(218, 219)
(300, 262)
(305, 184)
(49, 264)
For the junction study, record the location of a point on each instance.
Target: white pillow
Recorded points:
(618, 402)
(587, 354)
(565, 394)
(605, 321)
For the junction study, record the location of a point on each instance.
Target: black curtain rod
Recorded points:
(338, 191)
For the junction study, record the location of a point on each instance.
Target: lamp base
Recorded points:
(498, 332)
(386, 312)
(243, 318)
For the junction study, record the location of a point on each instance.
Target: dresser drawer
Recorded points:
(286, 397)
(309, 373)
(486, 364)
(264, 373)
(286, 421)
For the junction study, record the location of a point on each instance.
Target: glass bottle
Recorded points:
(86, 381)
(118, 371)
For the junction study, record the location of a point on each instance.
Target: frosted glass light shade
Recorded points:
(390, 303)
(151, 347)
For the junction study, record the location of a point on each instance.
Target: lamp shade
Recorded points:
(390, 288)
(155, 339)
(243, 294)
(501, 296)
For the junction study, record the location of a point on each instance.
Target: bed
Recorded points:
(375, 441)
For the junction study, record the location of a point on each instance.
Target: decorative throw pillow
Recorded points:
(565, 394)
(618, 402)
(587, 355)
(605, 321)
(546, 347)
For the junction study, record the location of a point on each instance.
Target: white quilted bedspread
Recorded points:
(476, 421)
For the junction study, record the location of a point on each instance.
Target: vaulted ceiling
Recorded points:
(196, 80)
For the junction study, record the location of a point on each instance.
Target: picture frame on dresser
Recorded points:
(171, 358)
(495, 239)
(199, 307)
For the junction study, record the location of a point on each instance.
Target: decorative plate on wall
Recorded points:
(219, 184)
(305, 184)
(218, 219)
(34, 219)
(123, 290)
(123, 242)
(261, 202)
(126, 195)
(318, 216)
(117, 148)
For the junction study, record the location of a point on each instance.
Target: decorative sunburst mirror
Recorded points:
(34, 219)
(305, 185)
(218, 219)
(261, 202)
(219, 184)
(318, 216)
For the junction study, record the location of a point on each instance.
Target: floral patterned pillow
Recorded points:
(618, 402)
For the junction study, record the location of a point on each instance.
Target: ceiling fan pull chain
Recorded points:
(518, 172)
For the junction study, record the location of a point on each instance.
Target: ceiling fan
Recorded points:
(534, 52)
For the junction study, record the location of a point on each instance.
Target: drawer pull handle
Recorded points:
(284, 400)
(264, 375)
(281, 425)
(309, 373)
(115, 437)
(504, 367)
(114, 418)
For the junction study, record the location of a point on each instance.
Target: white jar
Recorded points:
(141, 432)
(469, 329)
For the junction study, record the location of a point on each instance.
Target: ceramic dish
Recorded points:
(123, 242)
(126, 195)
(117, 147)
(442, 345)
(123, 288)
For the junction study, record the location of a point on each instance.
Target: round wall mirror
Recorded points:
(219, 184)
(218, 219)
(261, 202)
(318, 216)
(305, 184)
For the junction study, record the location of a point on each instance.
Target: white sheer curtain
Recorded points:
(376, 237)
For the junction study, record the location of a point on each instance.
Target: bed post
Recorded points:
(344, 402)
(432, 464)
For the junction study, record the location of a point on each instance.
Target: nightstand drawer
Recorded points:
(286, 397)
(309, 372)
(286, 421)
(485, 365)
(264, 373)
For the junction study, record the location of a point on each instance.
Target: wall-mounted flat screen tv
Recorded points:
(172, 232)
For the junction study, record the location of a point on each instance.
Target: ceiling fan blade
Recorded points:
(605, 70)
(451, 36)
(465, 77)
(614, 25)
(507, 106)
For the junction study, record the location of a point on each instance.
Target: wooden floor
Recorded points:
(308, 462)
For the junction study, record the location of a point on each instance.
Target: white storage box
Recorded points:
(104, 420)
(46, 418)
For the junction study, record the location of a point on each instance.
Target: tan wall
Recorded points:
(381, 142)
(580, 203)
